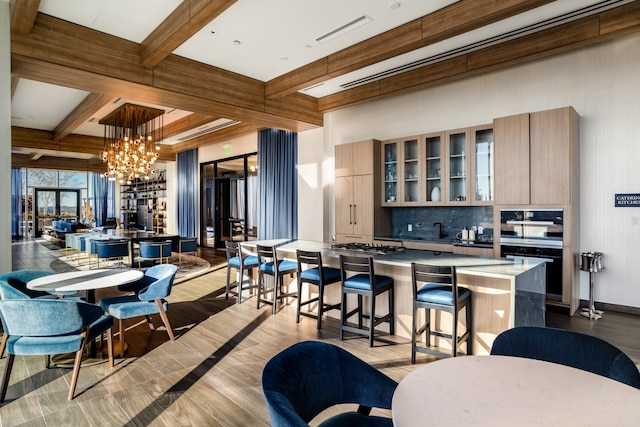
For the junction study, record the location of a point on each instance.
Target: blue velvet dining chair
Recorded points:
(154, 251)
(185, 245)
(310, 376)
(568, 348)
(113, 249)
(149, 300)
(46, 327)
(18, 280)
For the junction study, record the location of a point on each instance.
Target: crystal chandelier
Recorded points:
(132, 136)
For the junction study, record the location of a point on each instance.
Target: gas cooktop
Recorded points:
(367, 248)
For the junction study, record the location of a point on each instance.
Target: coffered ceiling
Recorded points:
(222, 68)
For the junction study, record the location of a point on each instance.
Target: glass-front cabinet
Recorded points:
(402, 165)
(482, 166)
(459, 167)
(411, 169)
(434, 168)
(441, 168)
(390, 159)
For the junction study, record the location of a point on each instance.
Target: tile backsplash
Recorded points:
(453, 220)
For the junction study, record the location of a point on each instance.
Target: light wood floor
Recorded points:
(210, 375)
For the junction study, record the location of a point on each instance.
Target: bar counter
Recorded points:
(505, 293)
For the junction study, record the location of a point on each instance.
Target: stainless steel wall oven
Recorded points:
(535, 233)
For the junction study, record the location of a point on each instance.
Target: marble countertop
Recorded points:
(465, 264)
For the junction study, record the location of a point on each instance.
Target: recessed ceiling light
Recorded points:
(284, 58)
(308, 46)
(394, 5)
(237, 43)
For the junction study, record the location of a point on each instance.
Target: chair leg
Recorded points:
(260, 278)
(454, 333)
(343, 309)
(76, 371)
(121, 327)
(372, 317)
(320, 304)
(427, 314)
(5, 376)
(414, 334)
(226, 293)
(3, 344)
(299, 302)
(165, 319)
(110, 346)
(150, 322)
(469, 328)
(392, 317)
(360, 311)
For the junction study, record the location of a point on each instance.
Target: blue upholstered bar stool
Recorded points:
(318, 275)
(277, 269)
(113, 249)
(359, 278)
(243, 264)
(436, 287)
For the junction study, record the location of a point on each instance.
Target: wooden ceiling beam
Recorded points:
(184, 124)
(87, 108)
(185, 21)
(587, 31)
(34, 140)
(24, 15)
(57, 163)
(57, 52)
(458, 18)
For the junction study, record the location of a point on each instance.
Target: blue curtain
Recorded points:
(16, 202)
(100, 191)
(187, 192)
(277, 184)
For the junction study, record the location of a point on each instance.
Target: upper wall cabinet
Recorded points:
(444, 168)
(354, 159)
(482, 165)
(401, 167)
(534, 157)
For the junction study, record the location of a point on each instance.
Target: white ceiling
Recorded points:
(256, 38)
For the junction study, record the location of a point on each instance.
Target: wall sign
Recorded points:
(627, 200)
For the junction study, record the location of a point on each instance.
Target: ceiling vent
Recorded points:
(364, 19)
(511, 35)
(209, 130)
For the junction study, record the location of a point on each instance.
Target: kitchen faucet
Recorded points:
(441, 234)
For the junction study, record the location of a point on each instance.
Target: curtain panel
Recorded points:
(16, 202)
(100, 191)
(278, 184)
(187, 181)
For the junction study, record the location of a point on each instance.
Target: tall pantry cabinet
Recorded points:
(356, 199)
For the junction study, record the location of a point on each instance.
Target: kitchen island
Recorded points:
(505, 293)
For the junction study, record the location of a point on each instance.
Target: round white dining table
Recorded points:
(511, 391)
(87, 280)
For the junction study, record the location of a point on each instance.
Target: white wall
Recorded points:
(311, 185)
(5, 136)
(602, 83)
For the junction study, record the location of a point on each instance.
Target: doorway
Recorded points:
(229, 195)
(53, 204)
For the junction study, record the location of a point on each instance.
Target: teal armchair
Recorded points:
(149, 300)
(46, 327)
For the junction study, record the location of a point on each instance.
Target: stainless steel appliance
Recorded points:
(367, 248)
(535, 233)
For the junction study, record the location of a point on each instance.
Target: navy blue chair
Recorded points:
(568, 348)
(150, 300)
(359, 278)
(277, 269)
(305, 379)
(113, 249)
(318, 275)
(436, 287)
(154, 251)
(243, 264)
(46, 327)
(185, 246)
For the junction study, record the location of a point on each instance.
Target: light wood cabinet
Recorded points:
(358, 214)
(402, 163)
(511, 159)
(535, 155)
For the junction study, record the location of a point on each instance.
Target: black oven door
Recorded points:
(553, 259)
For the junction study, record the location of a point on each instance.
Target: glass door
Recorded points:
(390, 152)
(53, 204)
(411, 168)
(458, 167)
(433, 168)
(483, 165)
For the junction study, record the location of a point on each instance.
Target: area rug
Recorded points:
(191, 266)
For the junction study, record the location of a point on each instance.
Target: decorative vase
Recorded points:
(435, 194)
